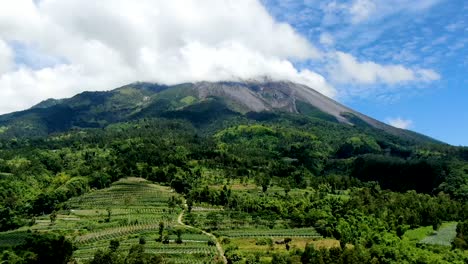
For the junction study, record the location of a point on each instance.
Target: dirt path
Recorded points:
(218, 245)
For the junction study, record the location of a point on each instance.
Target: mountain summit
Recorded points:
(199, 102)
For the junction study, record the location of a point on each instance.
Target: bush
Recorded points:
(264, 242)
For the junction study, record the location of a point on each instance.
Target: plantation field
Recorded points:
(129, 211)
(265, 241)
(244, 234)
(254, 245)
(291, 232)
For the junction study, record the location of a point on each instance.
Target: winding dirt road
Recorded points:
(218, 245)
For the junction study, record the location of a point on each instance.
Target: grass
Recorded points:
(188, 100)
(426, 235)
(255, 241)
(417, 234)
(250, 245)
(443, 237)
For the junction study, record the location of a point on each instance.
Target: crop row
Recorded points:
(114, 203)
(204, 260)
(87, 253)
(115, 232)
(122, 198)
(119, 211)
(271, 233)
(150, 243)
(153, 193)
(192, 250)
(205, 209)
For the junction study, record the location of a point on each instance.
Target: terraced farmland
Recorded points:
(130, 210)
(292, 232)
(245, 235)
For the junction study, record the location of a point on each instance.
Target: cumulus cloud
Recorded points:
(345, 68)
(99, 45)
(400, 122)
(6, 57)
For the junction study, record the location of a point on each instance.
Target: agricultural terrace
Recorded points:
(254, 234)
(130, 211)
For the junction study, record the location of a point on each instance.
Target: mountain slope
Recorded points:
(192, 100)
(265, 159)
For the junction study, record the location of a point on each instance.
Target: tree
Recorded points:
(109, 213)
(53, 217)
(179, 236)
(48, 248)
(106, 257)
(190, 219)
(461, 239)
(160, 231)
(286, 242)
(213, 220)
(114, 245)
(311, 255)
(281, 259)
(136, 255)
(189, 205)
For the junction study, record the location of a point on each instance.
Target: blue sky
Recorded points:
(416, 34)
(402, 62)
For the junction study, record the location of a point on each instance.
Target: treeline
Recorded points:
(40, 248)
(395, 211)
(38, 175)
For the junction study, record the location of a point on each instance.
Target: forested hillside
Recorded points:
(273, 186)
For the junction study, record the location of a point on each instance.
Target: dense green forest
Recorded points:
(361, 187)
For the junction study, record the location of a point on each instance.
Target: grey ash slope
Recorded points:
(283, 96)
(140, 100)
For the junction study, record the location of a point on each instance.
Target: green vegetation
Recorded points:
(135, 210)
(461, 239)
(188, 100)
(444, 236)
(269, 187)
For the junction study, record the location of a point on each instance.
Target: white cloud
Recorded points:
(100, 45)
(355, 12)
(400, 122)
(327, 39)
(6, 57)
(427, 75)
(345, 68)
(361, 10)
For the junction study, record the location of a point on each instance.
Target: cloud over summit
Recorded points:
(95, 45)
(57, 48)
